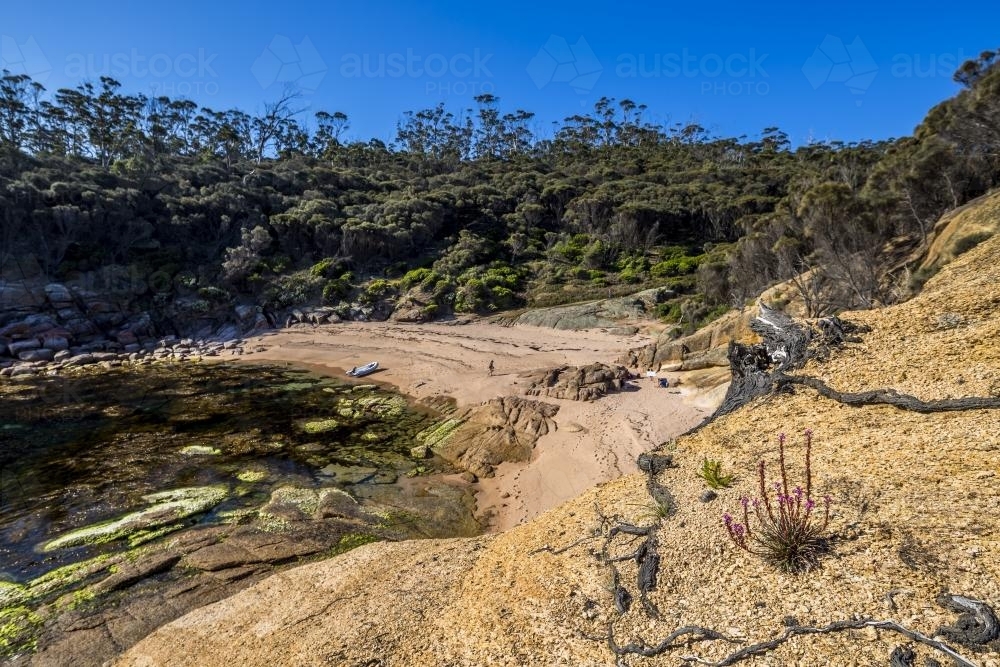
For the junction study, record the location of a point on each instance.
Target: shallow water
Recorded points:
(79, 450)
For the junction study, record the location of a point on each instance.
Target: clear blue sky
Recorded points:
(845, 70)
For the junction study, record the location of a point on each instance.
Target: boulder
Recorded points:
(126, 337)
(81, 360)
(58, 295)
(56, 343)
(502, 429)
(578, 383)
(40, 354)
(226, 332)
(17, 347)
(81, 327)
(337, 503)
(245, 312)
(704, 348)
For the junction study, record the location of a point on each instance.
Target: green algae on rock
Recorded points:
(315, 426)
(167, 507)
(12, 594)
(200, 450)
(439, 433)
(291, 503)
(251, 476)
(19, 628)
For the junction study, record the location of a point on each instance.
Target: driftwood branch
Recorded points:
(836, 626)
(707, 634)
(548, 548)
(766, 367)
(697, 633)
(976, 625)
(888, 397)
(646, 557)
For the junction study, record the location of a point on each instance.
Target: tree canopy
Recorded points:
(490, 215)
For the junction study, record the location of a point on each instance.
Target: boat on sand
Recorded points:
(361, 371)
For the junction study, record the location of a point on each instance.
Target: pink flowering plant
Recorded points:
(789, 530)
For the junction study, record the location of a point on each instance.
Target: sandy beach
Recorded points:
(594, 441)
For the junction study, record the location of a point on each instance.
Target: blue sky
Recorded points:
(845, 71)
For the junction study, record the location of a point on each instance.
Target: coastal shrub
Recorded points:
(711, 472)
(376, 290)
(326, 268)
(921, 276)
(186, 280)
(336, 289)
(291, 290)
(789, 531)
(970, 241)
(571, 250)
(493, 289)
(632, 269)
(213, 293)
(417, 277)
(656, 510)
(675, 266)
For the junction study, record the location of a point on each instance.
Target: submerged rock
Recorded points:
(502, 429)
(167, 507)
(438, 433)
(291, 503)
(315, 426)
(351, 474)
(200, 450)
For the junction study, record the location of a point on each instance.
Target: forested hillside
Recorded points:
(470, 211)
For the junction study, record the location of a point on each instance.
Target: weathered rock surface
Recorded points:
(604, 313)
(705, 348)
(502, 429)
(577, 383)
(250, 548)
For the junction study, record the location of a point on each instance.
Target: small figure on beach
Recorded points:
(491, 368)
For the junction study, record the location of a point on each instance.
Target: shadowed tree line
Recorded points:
(471, 209)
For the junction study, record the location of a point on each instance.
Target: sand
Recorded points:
(594, 441)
